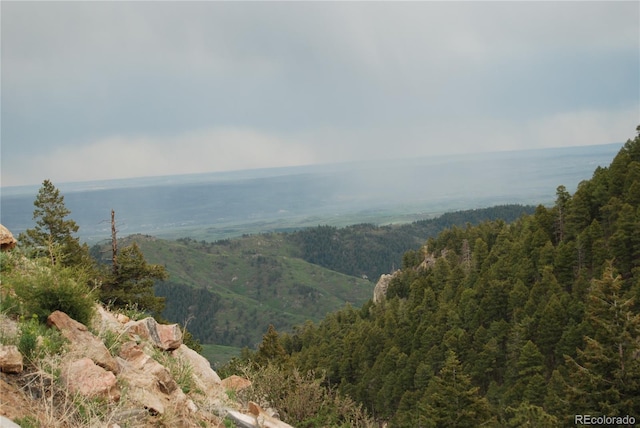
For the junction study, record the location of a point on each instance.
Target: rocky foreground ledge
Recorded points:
(151, 378)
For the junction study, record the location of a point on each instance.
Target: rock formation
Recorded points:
(165, 337)
(148, 373)
(88, 379)
(7, 241)
(380, 290)
(83, 341)
(10, 359)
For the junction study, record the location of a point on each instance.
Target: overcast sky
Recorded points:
(96, 90)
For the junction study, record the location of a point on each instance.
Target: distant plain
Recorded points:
(229, 204)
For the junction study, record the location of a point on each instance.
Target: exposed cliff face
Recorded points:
(139, 374)
(380, 290)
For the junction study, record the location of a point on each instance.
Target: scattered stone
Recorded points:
(149, 383)
(242, 420)
(105, 320)
(7, 423)
(205, 377)
(236, 383)
(122, 318)
(13, 402)
(10, 359)
(83, 341)
(166, 337)
(7, 241)
(83, 376)
(8, 327)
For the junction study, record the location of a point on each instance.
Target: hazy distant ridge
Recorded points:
(228, 204)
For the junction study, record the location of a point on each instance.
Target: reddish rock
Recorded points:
(10, 359)
(166, 337)
(83, 376)
(82, 340)
(236, 383)
(7, 241)
(149, 383)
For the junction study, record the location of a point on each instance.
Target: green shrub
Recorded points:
(302, 398)
(44, 289)
(28, 341)
(36, 340)
(181, 371)
(132, 310)
(113, 341)
(28, 422)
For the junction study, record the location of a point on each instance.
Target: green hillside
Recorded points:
(229, 292)
(522, 324)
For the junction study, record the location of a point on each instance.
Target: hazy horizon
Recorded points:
(142, 181)
(170, 88)
(218, 205)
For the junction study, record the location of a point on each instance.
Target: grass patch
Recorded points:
(219, 355)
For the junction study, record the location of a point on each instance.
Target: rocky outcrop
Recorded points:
(165, 337)
(83, 341)
(235, 383)
(7, 241)
(380, 290)
(10, 359)
(428, 262)
(150, 383)
(151, 375)
(257, 418)
(205, 378)
(84, 377)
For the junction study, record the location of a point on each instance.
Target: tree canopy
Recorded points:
(511, 324)
(53, 232)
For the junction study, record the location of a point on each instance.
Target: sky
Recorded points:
(104, 90)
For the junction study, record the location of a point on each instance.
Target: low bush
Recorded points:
(41, 289)
(36, 340)
(302, 398)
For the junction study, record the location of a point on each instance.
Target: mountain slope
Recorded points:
(230, 291)
(522, 324)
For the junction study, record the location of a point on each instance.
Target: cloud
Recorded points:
(200, 86)
(125, 156)
(226, 149)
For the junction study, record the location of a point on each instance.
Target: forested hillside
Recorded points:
(522, 324)
(229, 291)
(371, 250)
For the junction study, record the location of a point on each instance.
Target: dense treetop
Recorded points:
(521, 324)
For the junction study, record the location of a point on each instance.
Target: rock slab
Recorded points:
(83, 341)
(10, 359)
(166, 337)
(83, 376)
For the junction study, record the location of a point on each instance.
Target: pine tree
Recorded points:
(270, 350)
(132, 282)
(451, 400)
(53, 234)
(604, 378)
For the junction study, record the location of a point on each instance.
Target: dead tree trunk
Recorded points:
(114, 244)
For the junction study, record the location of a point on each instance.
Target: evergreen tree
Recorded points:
(53, 234)
(451, 400)
(132, 282)
(270, 349)
(604, 378)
